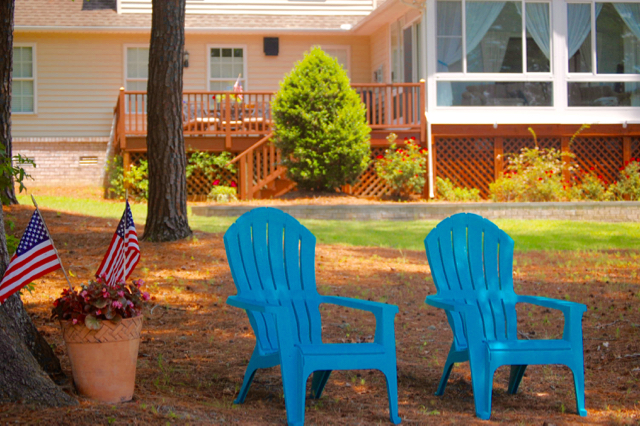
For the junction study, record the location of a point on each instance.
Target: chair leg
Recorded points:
(318, 383)
(248, 378)
(482, 383)
(517, 372)
(453, 357)
(294, 383)
(578, 380)
(391, 374)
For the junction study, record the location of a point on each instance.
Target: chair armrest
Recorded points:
(562, 305)
(384, 313)
(447, 304)
(572, 312)
(252, 305)
(363, 305)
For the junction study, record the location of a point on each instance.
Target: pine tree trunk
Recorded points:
(6, 53)
(25, 356)
(167, 208)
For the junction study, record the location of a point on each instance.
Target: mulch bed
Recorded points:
(195, 348)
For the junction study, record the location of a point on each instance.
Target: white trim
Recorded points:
(245, 60)
(34, 78)
(340, 47)
(125, 58)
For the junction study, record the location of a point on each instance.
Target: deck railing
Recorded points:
(229, 114)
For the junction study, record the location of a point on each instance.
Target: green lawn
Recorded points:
(528, 234)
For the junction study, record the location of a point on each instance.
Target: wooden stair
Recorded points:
(261, 172)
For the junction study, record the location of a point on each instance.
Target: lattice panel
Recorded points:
(467, 162)
(136, 157)
(603, 155)
(369, 183)
(199, 185)
(635, 147)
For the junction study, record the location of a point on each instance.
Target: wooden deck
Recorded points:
(217, 121)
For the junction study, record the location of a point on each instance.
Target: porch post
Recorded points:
(121, 117)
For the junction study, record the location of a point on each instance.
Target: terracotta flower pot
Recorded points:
(103, 361)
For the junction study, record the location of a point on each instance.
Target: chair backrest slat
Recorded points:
(272, 259)
(471, 261)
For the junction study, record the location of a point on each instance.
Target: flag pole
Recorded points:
(52, 244)
(126, 242)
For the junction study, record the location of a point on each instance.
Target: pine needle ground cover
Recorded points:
(194, 348)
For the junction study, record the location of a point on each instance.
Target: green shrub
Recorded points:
(402, 168)
(320, 124)
(628, 186)
(210, 165)
(222, 194)
(136, 181)
(533, 175)
(448, 191)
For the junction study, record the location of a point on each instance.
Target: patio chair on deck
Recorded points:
(471, 262)
(272, 258)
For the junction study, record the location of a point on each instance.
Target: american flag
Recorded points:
(237, 88)
(36, 256)
(123, 253)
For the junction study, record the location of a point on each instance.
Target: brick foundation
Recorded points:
(63, 161)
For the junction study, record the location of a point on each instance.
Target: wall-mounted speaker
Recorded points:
(271, 46)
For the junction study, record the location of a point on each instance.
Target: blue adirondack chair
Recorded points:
(272, 260)
(471, 262)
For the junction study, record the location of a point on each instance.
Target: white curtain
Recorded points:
(579, 24)
(538, 25)
(479, 18)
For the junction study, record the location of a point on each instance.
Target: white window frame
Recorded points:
(593, 76)
(125, 77)
(34, 78)
(341, 47)
(465, 76)
(245, 76)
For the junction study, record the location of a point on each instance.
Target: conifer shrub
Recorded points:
(320, 124)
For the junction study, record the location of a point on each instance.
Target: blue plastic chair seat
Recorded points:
(529, 346)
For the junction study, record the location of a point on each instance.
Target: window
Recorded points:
(137, 68)
(510, 40)
(24, 84)
(341, 53)
(226, 64)
(604, 65)
(405, 51)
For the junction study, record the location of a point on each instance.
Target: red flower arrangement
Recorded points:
(99, 301)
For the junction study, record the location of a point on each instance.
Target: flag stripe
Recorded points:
(123, 253)
(35, 257)
(33, 274)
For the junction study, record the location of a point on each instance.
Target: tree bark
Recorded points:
(167, 207)
(6, 53)
(25, 356)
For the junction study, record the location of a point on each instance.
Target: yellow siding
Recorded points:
(78, 75)
(380, 51)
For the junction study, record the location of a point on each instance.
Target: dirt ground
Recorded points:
(195, 348)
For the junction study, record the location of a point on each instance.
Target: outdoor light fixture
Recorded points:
(185, 59)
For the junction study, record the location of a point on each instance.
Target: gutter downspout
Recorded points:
(430, 156)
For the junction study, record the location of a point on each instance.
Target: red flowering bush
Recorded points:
(533, 175)
(99, 301)
(403, 168)
(628, 186)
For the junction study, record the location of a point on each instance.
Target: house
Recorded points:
(492, 70)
